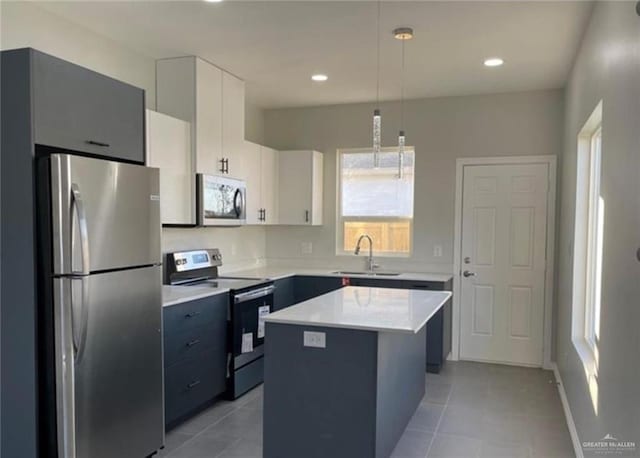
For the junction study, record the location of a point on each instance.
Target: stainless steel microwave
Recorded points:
(221, 201)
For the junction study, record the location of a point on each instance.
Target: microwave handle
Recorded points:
(238, 202)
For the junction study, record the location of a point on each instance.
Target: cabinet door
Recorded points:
(81, 110)
(308, 287)
(233, 122)
(252, 176)
(269, 180)
(169, 149)
(284, 294)
(208, 127)
(295, 179)
(317, 175)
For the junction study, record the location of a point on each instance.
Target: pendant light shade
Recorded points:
(377, 119)
(401, 140)
(403, 34)
(377, 127)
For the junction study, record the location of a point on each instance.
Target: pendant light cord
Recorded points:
(378, 59)
(402, 90)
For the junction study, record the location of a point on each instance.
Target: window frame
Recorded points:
(340, 220)
(594, 243)
(587, 249)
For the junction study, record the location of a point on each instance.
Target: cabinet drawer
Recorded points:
(193, 382)
(193, 342)
(190, 315)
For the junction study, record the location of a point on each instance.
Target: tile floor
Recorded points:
(470, 410)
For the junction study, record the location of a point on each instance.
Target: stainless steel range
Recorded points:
(250, 301)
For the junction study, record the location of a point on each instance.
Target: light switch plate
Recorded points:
(437, 251)
(315, 339)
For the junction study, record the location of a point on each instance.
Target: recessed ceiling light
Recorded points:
(493, 62)
(213, 1)
(319, 77)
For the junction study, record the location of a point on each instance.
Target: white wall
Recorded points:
(26, 25)
(441, 129)
(254, 123)
(608, 69)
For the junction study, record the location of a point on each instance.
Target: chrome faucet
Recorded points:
(370, 264)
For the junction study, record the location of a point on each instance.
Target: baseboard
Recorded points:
(577, 445)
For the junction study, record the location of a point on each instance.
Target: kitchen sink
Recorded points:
(362, 272)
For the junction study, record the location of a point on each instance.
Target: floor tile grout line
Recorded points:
(446, 404)
(203, 430)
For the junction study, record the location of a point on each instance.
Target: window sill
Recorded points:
(587, 356)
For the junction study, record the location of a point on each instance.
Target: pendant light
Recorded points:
(377, 119)
(403, 34)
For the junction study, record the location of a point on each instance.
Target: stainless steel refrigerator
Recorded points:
(107, 307)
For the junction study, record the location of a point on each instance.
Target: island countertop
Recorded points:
(371, 309)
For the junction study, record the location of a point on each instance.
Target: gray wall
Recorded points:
(608, 69)
(441, 129)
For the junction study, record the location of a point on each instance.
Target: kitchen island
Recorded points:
(345, 371)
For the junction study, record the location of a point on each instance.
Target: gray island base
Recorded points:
(350, 387)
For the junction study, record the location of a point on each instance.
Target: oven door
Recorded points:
(221, 201)
(249, 309)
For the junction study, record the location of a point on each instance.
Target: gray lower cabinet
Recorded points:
(78, 109)
(284, 294)
(195, 356)
(439, 326)
(307, 287)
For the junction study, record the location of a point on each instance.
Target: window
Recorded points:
(588, 250)
(375, 200)
(594, 243)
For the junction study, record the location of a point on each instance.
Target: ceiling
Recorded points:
(276, 46)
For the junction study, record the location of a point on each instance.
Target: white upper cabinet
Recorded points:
(300, 188)
(269, 185)
(232, 124)
(261, 174)
(210, 99)
(252, 167)
(169, 149)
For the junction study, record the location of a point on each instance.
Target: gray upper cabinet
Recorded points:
(81, 110)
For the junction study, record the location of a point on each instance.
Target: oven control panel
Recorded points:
(195, 259)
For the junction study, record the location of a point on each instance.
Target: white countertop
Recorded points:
(372, 309)
(172, 295)
(276, 273)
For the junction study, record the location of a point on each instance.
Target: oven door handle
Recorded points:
(254, 294)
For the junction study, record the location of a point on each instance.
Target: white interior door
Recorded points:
(503, 258)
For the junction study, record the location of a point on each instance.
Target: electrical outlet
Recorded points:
(307, 247)
(315, 339)
(437, 251)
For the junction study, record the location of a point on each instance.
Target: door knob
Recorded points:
(467, 273)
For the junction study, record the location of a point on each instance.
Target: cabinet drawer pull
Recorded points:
(193, 342)
(95, 143)
(192, 314)
(193, 384)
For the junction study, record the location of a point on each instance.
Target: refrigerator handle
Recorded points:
(65, 368)
(84, 232)
(79, 330)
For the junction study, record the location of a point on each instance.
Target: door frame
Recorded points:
(549, 160)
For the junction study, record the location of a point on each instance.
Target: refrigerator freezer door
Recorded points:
(117, 376)
(106, 215)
